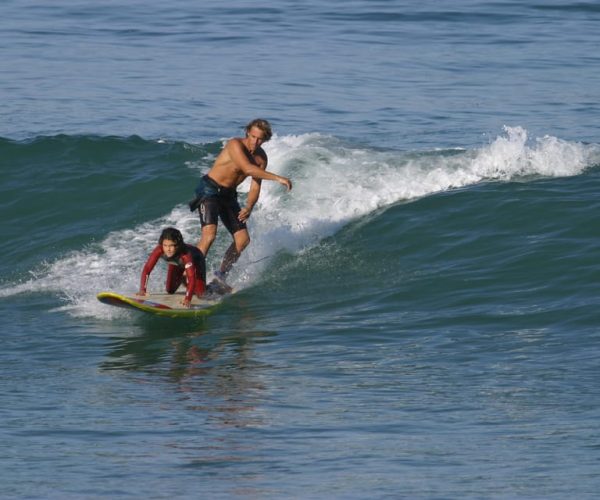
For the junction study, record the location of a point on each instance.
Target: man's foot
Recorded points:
(221, 277)
(218, 286)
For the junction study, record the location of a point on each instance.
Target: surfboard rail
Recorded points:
(161, 304)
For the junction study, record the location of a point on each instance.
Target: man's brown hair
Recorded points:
(261, 124)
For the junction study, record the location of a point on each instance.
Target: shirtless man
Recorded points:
(217, 195)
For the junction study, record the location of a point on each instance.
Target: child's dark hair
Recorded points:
(172, 234)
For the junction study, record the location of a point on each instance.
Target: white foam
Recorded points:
(112, 264)
(333, 184)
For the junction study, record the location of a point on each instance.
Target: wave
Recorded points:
(335, 183)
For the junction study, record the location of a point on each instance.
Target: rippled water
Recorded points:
(417, 318)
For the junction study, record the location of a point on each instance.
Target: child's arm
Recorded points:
(148, 267)
(190, 274)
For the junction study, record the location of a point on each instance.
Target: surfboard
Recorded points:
(162, 304)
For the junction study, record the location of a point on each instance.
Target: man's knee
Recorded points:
(209, 233)
(242, 240)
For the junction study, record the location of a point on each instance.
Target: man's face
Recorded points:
(255, 138)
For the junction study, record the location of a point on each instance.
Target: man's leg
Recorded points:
(209, 217)
(207, 237)
(241, 239)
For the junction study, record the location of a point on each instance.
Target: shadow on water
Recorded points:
(209, 364)
(150, 341)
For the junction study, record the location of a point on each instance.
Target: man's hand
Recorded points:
(244, 214)
(285, 182)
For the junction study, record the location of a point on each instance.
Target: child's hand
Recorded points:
(142, 293)
(186, 303)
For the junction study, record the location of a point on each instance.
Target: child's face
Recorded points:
(169, 248)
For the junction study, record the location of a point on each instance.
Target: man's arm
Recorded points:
(251, 200)
(242, 161)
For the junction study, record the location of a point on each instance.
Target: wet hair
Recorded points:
(261, 124)
(174, 235)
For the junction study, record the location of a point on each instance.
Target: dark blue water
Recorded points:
(417, 318)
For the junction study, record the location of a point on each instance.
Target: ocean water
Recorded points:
(417, 318)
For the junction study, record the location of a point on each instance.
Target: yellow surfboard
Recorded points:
(162, 304)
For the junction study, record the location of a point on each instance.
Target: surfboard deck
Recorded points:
(162, 304)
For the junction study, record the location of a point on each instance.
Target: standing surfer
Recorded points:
(216, 195)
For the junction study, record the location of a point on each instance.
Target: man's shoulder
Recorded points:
(234, 141)
(232, 146)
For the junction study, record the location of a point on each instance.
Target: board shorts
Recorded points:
(217, 201)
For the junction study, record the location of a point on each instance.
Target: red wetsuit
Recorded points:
(190, 261)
